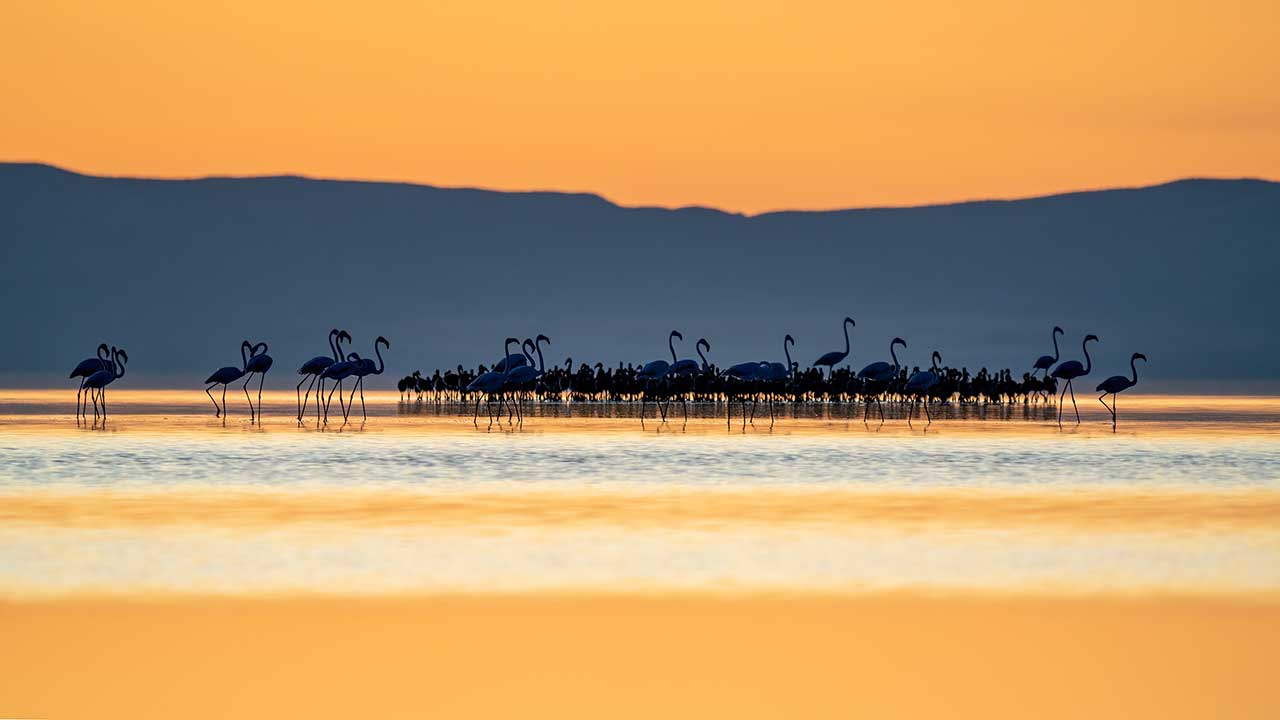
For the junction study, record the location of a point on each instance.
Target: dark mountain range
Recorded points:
(179, 271)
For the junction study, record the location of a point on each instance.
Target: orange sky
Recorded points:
(741, 105)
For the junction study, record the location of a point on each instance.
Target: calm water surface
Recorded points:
(1184, 497)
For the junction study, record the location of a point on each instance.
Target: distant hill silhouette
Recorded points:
(180, 271)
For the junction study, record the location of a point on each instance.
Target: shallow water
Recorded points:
(1183, 496)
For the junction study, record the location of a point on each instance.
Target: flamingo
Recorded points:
(525, 377)
(1044, 362)
(491, 383)
(745, 374)
(365, 367)
(226, 375)
(316, 365)
(337, 372)
(1070, 370)
(878, 375)
(835, 357)
(1118, 384)
(112, 371)
(688, 368)
(656, 371)
(87, 367)
(260, 363)
(920, 383)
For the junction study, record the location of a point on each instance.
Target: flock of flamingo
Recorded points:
(519, 378)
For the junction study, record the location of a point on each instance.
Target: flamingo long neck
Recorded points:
(506, 352)
(894, 355)
(103, 354)
(333, 349)
(382, 365)
(244, 360)
(846, 339)
(671, 339)
(1133, 365)
(787, 351)
(704, 358)
(1088, 361)
(1055, 345)
(118, 371)
(542, 368)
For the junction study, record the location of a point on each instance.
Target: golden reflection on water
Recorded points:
(1183, 498)
(1083, 510)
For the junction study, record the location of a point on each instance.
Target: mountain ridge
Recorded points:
(179, 271)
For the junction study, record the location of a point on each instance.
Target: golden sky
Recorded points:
(743, 105)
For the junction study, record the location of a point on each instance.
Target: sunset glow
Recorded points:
(742, 105)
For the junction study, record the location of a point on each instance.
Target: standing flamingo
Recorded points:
(1044, 362)
(338, 372)
(835, 357)
(920, 383)
(656, 371)
(114, 370)
(1070, 370)
(260, 363)
(491, 383)
(226, 375)
(1118, 384)
(366, 367)
(524, 378)
(312, 368)
(87, 367)
(878, 375)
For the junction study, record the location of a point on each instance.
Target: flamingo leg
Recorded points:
(247, 398)
(298, 394)
(351, 401)
(103, 393)
(1073, 401)
(475, 420)
(329, 397)
(217, 411)
(1060, 398)
(79, 391)
(262, 378)
(362, 410)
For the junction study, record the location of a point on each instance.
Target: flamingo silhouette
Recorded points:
(1044, 362)
(656, 371)
(87, 367)
(1118, 384)
(523, 378)
(338, 372)
(920, 383)
(491, 383)
(312, 368)
(1070, 370)
(878, 375)
(226, 375)
(835, 357)
(112, 371)
(366, 367)
(260, 363)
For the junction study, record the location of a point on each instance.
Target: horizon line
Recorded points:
(605, 198)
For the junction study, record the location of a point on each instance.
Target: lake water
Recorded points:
(1183, 496)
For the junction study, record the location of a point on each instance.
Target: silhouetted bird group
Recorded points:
(519, 378)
